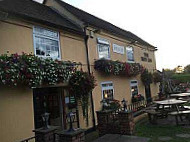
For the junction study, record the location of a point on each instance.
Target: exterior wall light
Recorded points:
(45, 118)
(70, 120)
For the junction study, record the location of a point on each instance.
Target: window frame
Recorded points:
(134, 84)
(107, 88)
(46, 37)
(127, 54)
(102, 41)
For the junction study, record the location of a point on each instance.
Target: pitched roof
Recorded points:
(102, 24)
(34, 11)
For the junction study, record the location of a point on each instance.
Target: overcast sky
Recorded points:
(163, 23)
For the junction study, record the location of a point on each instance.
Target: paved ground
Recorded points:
(120, 138)
(169, 121)
(165, 138)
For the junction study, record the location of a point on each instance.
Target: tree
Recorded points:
(187, 69)
(169, 73)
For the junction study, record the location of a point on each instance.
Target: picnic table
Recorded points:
(170, 106)
(182, 96)
(170, 102)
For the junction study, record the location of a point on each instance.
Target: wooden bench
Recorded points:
(180, 114)
(153, 115)
(187, 107)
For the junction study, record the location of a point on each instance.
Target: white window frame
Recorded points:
(133, 54)
(47, 37)
(107, 88)
(133, 84)
(116, 46)
(102, 41)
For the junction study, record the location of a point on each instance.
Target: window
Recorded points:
(107, 90)
(144, 59)
(103, 48)
(118, 49)
(134, 87)
(130, 54)
(46, 43)
(149, 60)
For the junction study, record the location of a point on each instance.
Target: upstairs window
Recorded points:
(46, 43)
(103, 48)
(107, 90)
(130, 54)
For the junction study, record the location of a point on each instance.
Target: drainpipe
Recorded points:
(89, 71)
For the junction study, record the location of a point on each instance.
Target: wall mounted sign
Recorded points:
(118, 49)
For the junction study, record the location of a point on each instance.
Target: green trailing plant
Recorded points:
(118, 68)
(157, 77)
(30, 70)
(81, 84)
(146, 77)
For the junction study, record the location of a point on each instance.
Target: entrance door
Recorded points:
(48, 100)
(148, 93)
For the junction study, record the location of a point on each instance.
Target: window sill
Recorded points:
(130, 61)
(45, 57)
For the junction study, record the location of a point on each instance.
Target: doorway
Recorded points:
(56, 101)
(48, 100)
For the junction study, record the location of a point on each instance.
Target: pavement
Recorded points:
(121, 138)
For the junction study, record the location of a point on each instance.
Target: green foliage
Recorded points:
(182, 78)
(81, 84)
(146, 77)
(30, 70)
(137, 98)
(187, 69)
(113, 105)
(144, 129)
(117, 67)
(157, 77)
(169, 73)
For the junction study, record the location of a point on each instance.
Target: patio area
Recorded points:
(165, 131)
(176, 105)
(164, 126)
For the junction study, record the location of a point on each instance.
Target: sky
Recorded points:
(162, 23)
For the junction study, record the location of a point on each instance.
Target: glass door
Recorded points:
(48, 100)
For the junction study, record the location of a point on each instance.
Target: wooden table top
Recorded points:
(170, 102)
(180, 95)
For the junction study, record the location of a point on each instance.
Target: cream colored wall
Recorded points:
(16, 105)
(16, 111)
(139, 50)
(73, 49)
(15, 39)
(121, 84)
